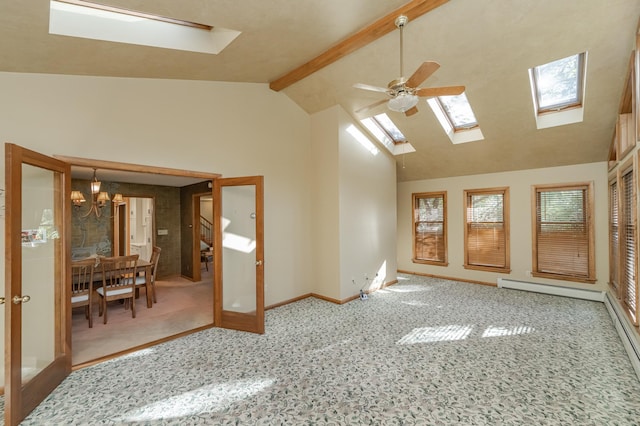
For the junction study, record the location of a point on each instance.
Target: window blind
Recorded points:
(614, 236)
(628, 244)
(562, 232)
(486, 230)
(429, 243)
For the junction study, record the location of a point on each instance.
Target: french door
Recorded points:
(239, 263)
(37, 315)
(37, 267)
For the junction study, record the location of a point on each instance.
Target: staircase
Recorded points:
(206, 231)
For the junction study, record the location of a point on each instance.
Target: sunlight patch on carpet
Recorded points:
(207, 399)
(436, 334)
(493, 331)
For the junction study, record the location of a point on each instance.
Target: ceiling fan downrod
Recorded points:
(400, 22)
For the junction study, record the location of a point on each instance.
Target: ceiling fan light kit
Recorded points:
(402, 102)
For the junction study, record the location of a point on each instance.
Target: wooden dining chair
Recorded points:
(82, 286)
(141, 281)
(118, 282)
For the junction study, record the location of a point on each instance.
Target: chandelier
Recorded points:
(99, 198)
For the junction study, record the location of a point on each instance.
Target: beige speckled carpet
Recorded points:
(422, 352)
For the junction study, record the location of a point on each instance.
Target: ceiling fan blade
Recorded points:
(423, 72)
(372, 88)
(430, 92)
(370, 107)
(411, 111)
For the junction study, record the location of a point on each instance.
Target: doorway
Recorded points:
(148, 213)
(134, 226)
(21, 397)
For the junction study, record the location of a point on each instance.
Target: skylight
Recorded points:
(383, 137)
(387, 133)
(558, 84)
(456, 118)
(385, 122)
(79, 18)
(557, 89)
(458, 111)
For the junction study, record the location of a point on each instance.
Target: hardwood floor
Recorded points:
(182, 305)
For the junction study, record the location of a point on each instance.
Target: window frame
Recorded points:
(614, 230)
(414, 199)
(467, 194)
(627, 168)
(588, 215)
(559, 107)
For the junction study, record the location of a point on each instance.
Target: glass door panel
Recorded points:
(238, 249)
(40, 256)
(239, 289)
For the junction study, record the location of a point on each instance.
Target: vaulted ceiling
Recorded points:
(487, 46)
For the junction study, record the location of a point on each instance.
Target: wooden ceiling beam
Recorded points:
(368, 34)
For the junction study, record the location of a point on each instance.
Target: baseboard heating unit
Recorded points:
(625, 331)
(576, 293)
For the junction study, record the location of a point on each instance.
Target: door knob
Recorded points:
(17, 299)
(1, 300)
(258, 262)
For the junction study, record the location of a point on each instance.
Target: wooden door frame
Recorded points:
(118, 225)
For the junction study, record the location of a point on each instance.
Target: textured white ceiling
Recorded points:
(486, 46)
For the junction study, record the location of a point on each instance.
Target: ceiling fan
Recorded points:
(403, 93)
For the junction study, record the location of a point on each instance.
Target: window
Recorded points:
(486, 230)
(387, 133)
(558, 84)
(456, 118)
(84, 19)
(628, 283)
(614, 238)
(563, 232)
(458, 112)
(557, 87)
(430, 228)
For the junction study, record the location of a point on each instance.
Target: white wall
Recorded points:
(354, 209)
(325, 225)
(367, 214)
(234, 129)
(519, 183)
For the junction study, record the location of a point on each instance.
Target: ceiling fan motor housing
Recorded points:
(398, 86)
